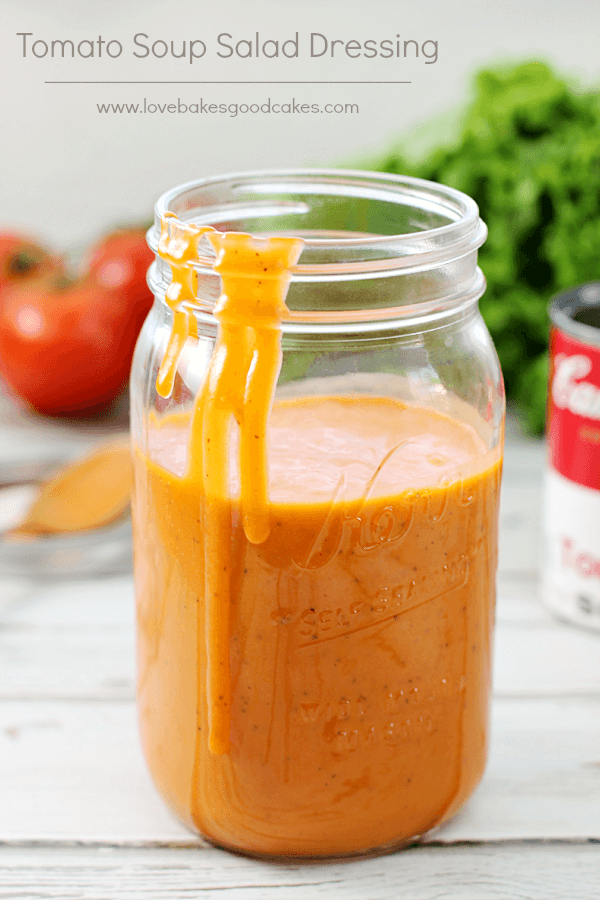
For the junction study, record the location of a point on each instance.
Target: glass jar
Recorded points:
(316, 684)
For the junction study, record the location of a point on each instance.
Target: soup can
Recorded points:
(571, 571)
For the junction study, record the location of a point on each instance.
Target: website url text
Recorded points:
(229, 109)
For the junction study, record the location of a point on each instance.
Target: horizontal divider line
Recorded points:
(228, 82)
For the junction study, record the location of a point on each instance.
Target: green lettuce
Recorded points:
(529, 155)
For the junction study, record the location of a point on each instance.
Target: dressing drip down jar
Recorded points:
(317, 428)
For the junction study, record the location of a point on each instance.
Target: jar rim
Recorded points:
(442, 235)
(463, 233)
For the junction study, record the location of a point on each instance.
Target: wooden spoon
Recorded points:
(82, 496)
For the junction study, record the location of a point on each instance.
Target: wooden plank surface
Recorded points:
(524, 872)
(76, 640)
(71, 770)
(74, 771)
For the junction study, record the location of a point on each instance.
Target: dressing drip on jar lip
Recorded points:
(388, 268)
(240, 385)
(571, 574)
(446, 248)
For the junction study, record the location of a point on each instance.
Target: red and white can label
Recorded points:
(572, 484)
(574, 409)
(571, 573)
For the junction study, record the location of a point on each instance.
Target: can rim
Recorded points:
(568, 303)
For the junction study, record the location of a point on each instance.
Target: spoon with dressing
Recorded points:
(83, 496)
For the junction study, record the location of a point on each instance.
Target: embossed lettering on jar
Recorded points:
(315, 510)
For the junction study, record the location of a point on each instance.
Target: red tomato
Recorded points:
(66, 346)
(21, 259)
(120, 262)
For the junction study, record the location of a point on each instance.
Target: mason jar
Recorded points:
(315, 588)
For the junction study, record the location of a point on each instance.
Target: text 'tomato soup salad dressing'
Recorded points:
(317, 419)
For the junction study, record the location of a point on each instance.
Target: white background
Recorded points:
(67, 172)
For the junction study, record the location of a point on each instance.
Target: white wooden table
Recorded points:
(79, 817)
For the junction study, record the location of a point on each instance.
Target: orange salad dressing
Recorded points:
(313, 635)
